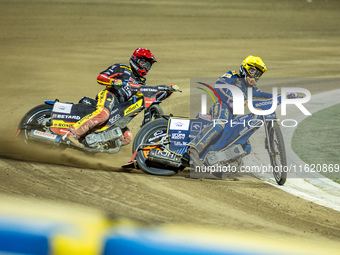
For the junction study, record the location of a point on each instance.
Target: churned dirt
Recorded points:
(55, 49)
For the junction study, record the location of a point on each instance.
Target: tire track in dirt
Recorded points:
(243, 203)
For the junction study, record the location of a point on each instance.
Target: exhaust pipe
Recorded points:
(40, 135)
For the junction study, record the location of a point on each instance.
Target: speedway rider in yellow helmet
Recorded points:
(251, 69)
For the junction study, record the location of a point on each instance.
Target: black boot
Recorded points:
(195, 160)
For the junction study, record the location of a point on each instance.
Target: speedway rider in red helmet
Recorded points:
(116, 78)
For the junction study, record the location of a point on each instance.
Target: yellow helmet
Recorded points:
(253, 67)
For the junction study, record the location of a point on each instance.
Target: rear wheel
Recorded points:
(152, 133)
(278, 158)
(37, 118)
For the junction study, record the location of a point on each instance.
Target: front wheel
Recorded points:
(156, 111)
(278, 159)
(152, 133)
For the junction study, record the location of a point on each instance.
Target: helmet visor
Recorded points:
(144, 64)
(254, 73)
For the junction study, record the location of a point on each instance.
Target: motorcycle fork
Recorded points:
(267, 142)
(147, 116)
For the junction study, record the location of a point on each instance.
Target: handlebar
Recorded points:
(173, 90)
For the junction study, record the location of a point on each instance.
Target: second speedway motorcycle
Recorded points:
(48, 122)
(161, 146)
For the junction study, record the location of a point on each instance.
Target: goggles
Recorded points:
(254, 73)
(145, 64)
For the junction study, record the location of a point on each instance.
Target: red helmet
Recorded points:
(141, 61)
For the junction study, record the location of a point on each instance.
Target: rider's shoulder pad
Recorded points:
(228, 77)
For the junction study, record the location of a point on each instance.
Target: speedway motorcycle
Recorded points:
(48, 122)
(161, 146)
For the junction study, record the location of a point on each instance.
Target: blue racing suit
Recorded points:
(211, 133)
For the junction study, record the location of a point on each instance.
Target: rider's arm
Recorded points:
(108, 76)
(257, 93)
(112, 79)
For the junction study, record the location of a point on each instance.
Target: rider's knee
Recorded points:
(102, 116)
(218, 125)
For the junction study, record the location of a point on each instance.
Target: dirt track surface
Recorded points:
(55, 49)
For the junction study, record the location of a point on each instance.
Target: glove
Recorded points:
(292, 95)
(173, 87)
(117, 83)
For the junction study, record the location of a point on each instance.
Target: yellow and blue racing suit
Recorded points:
(210, 134)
